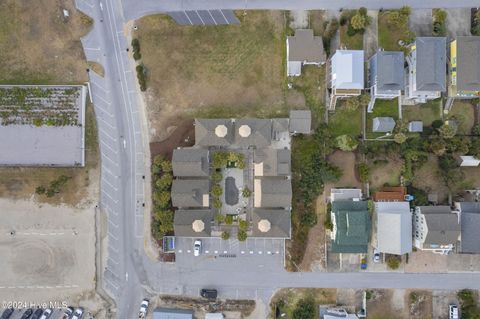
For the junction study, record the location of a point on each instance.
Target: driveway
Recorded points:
(421, 22)
(458, 22)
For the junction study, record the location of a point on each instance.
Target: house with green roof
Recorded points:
(351, 227)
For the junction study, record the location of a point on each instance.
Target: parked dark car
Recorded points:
(7, 313)
(27, 314)
(37, 314)
(209, 293)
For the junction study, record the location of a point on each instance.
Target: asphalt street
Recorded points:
(129, 274)
(134, 9)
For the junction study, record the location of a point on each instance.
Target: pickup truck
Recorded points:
(143, 309)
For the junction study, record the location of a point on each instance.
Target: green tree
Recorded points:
(217, 190)
(166, 166)
(217, 177)
(346, 143)
(219, 218)
(162, 199)
(358, 22)
(393, 262)
(459, 145)
(217, 203)
(229, 219)
(363, 172)
(400, 138)
(304, 309)
(438, 146)
(225, 235)
(219, 159)
(242, 224)
(164, 182)
(246, 192)
(352, 104)
(447, 131)
(241, 235)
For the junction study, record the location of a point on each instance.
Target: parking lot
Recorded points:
(47, 252)
(57, 314)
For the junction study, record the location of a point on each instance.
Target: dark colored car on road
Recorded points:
(27, 314)
(7, 313)
(37, 314)
(209, 293)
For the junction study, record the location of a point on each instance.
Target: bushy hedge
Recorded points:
(162, 216)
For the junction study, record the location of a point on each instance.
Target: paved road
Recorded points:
(129, 274)
(137, 8)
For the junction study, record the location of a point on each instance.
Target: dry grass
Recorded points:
(20, 182)
(96, 67)
(38, 45)
(290, 296)
(226, 70)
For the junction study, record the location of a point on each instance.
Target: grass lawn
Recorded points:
(38, 45)
(382, 108)
(312, 85)
(287, 299)
(343, 121)
(464, 113)
(234, 70)
(427, 112)
(350, 42)
(389, 34)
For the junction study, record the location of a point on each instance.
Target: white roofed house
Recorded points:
(303, 48)
(427, 76)
(346, 75)
(394, 227)
(385, 76)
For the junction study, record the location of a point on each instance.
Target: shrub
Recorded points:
(37, 122)
(219, 159)
(346, 143)
(142, 77)
(40, 190)
(217, 177)
(164, 182)
(305, 309)
(243, 225)
(241, 235)
(217, 190)
(137, 56)
(229, 219)
(219, 218)
(393, 262)
(162, 199)
(363, 172)
(437, 124)
(400, 138)
(246, 192)
(56, 185)
(217, 203)
(225, 235)
(447, 131)
(309, 218)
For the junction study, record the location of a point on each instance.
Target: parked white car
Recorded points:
(376, 255)
(453, 311)
(143, 309)
(197, 247)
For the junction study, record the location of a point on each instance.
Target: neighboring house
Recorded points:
(166, 313)
(337, 194)
(394, 227)
(390, 194)
(415, 126)
(435, 229)
(303, 48)
(383, 124)
(469, 161)
(271, 223)
(470, 226)
(385, 77)
(259, 191)
(193, 223)
(190, 193)
(346, 75)
(188, 162)
(426, 78)
(464, 68)
(300, 121)
(351, 226)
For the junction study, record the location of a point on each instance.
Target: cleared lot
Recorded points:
(47, 252)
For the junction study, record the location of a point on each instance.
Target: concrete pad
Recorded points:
(420, 22)
(424, 261)
(458, 22)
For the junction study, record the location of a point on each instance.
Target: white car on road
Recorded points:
(197, 247)
(143, 309)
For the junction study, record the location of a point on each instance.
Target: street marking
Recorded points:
(92, 49)
(216, 251)
(206, 251)
(114, 237)
(251, 252)
(242, 252)
(105, 192)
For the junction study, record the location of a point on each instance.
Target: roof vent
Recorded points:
(221, 130)
(264, 225)
(244, 131)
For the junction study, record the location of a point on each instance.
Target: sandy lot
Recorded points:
(47, 252)
(346, 161)
(212, 71)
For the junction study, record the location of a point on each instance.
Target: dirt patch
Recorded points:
(420, 303)
(182, 135)
(385, 172)
(233, 69)
(314, 257)
(346, 161)
(386, 304)
(38, 45)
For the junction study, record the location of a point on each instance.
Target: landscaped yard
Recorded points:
(354, 42)
(344, 121)
(428, 112)
(464, 113)
(288, 299)
(393, 27)
(382, 108)
(213, 71)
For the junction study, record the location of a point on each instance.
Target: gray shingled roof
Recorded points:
(443, 226)
(431, 63)
(468, 63)
(394, 227)
(300, 121)
(205, 132)
(470, 225)
(184, 219)
(189, 192)
(279, 219)
(275, 162)
(165, 313)
(260, 133)
(190, 162)
(276, 192)
(304, 46)
(386, 70)
(383, 124)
